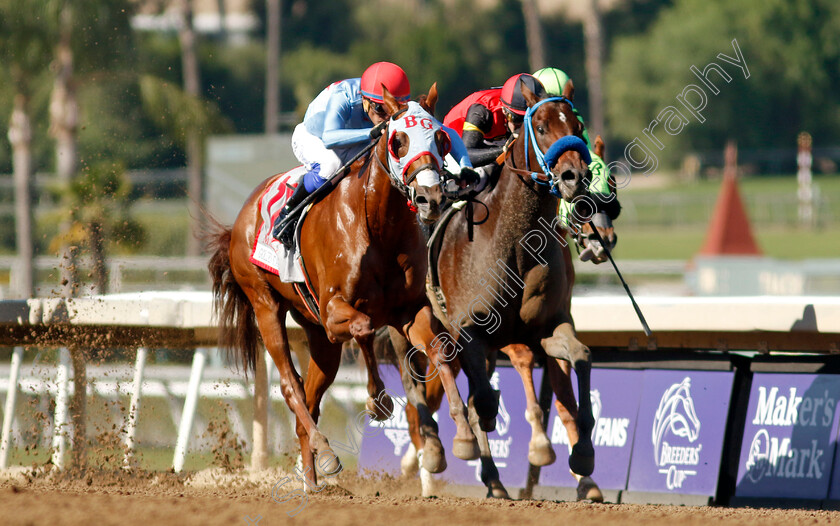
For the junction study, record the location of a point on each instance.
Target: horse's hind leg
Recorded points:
(558, 373)
(422, 426)
(271, 322)
(342, 318)
(324, 360)
(564, 345)
(540, 452)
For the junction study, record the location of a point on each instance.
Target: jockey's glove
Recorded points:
(464, 185)
(377, 130)
(468, 176)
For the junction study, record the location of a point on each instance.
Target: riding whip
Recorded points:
(621, 278)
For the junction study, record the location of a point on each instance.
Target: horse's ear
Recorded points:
(389, 101)
(599, 147)
(431, 99)
(530, 97)
(569, 90)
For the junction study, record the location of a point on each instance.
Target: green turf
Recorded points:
(770, 201)
(684, 243)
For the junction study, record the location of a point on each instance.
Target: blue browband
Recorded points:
(562, 145)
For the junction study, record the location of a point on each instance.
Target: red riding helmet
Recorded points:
(512, 97)
(391, 75)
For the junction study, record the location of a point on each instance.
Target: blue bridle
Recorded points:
(560, 146)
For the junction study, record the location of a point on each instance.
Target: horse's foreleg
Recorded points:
(426, 334)
(489, 471)
(432, 446)
(564, 345)
(422, 426)
(478, 359)
(342, 318)
(558, 373)
(540, 452)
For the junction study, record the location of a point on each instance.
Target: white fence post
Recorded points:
(259, 453)
(61, 421)
(190, 404)
(9, 408)
(134, 407)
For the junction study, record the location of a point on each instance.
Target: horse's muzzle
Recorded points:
(572, 183)
(429, 202)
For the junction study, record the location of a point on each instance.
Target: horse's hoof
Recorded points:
(495, 490)
(434, 459)
(582, 460)
(381, 408)
(465, 449)
(589, 491)
(328, 463)
(540, 452)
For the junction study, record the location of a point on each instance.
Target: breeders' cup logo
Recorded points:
(499, 447)
(676, 421)
(503, 418)
(396, 427)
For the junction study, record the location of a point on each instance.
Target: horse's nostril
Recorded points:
(421, 200)
(568, 176)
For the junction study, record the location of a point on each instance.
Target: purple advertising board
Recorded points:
(789, 436)
(680, 429)
(381, 452)
(385, 443)
(615, 395)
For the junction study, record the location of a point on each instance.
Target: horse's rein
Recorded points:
(560, 146)
(526, 176)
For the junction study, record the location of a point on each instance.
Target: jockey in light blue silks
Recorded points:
(340, 122)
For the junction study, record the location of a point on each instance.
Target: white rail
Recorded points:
(184, 319)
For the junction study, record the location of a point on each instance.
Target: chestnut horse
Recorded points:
(365, 258)
(510, 290)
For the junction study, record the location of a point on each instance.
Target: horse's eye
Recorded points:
(540, 130)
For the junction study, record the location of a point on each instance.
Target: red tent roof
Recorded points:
(729, 230)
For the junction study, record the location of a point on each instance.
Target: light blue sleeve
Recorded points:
(338, 115)
(459, 151)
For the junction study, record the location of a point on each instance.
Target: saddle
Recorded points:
(269, 254)
(433, 290)
(435, 242)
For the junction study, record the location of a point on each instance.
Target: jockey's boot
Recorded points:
(281, 232)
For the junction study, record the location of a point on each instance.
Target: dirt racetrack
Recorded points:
(166, 499)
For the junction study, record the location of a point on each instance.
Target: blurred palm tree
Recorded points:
(28, 30)
(195, 158)
(98, 205)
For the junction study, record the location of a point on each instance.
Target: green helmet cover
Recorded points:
(553, 80)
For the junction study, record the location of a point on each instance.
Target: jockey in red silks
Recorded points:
(340, 122)
(486, 119)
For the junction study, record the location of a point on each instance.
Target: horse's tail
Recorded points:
(239, 336)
